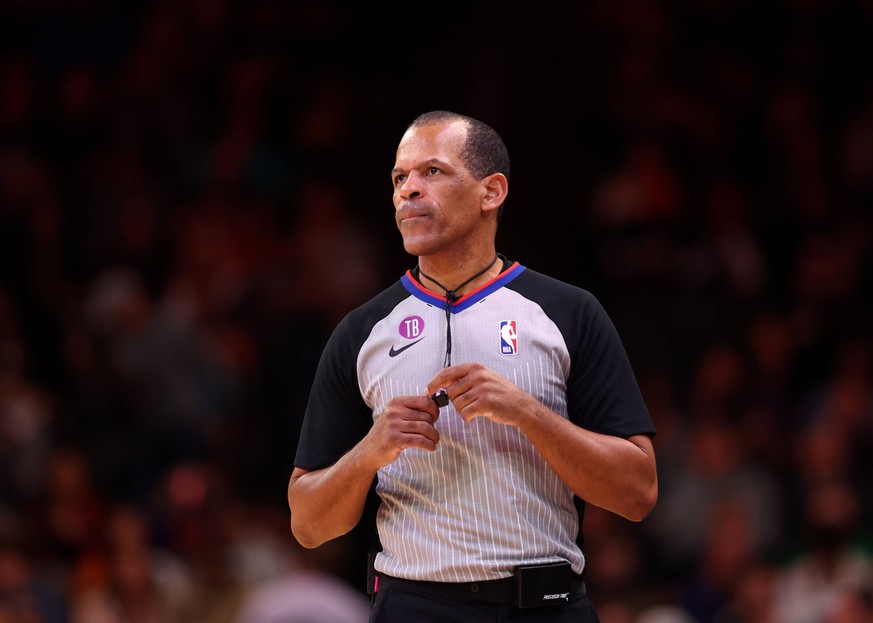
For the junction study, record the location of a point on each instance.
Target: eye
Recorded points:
(433, 171)
(399, 179)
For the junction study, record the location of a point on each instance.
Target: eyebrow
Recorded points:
(427, 163)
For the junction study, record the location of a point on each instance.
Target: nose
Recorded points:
(411, 186)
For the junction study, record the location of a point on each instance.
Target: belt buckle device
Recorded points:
(545, 584)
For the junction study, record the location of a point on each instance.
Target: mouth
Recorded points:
(410, 215)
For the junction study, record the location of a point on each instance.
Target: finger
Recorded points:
(413, 408)
(405, 433)
(467, 406)
(447, 376)
(461, 391)
(426, 404)
(418, 431)
(420, 442)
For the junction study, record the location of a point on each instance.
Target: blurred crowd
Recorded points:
(193, 193)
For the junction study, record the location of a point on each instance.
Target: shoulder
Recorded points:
(577, 312)
(357, 324)
(551, 292)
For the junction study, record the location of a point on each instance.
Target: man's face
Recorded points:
(437, 200)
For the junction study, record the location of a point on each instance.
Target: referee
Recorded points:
(481, 403)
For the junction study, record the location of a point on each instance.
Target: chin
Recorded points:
(415, 247)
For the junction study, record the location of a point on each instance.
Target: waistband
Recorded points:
(500, 591)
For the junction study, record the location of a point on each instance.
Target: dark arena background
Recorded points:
(194, 192)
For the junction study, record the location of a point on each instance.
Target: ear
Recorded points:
(496, 188)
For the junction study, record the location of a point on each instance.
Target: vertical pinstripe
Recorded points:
(485, 500)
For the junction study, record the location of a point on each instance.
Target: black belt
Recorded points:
(500, 591)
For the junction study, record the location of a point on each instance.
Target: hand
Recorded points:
(477, 391)
(406, 422)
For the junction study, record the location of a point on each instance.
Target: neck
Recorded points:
(458, 279)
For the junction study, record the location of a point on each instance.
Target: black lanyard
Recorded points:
(451, 297)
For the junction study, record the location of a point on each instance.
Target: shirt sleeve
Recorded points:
(336, 416)
(603, 393)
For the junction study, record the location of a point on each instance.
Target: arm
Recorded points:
(329, 502)
(611, 472)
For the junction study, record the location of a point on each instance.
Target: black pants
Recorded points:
(405, 601)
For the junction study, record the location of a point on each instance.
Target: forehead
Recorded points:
(435, 141)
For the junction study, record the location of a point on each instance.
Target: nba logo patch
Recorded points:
(508, 337)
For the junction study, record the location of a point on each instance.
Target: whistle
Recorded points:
(440, 398)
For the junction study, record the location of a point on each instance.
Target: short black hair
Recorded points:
(484, 151)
